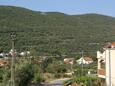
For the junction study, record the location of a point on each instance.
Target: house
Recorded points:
(106, 64)
(85, 60)
(69, 61)
(3, 63)
(2, 55)
(26, 53)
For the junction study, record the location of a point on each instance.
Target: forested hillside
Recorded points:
(53, 32)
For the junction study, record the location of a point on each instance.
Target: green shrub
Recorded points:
(37, 78)
(24, 75)
(87, 81)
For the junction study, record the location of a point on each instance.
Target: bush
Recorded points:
(24, 75)
(87, 81)
(37, 78)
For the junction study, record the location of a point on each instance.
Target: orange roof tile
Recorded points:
(2, 62)
(110, 45)
(87, 59)
(113, 44)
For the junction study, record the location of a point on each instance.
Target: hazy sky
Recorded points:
(106, 7)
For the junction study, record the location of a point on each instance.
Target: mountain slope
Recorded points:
(53, 32)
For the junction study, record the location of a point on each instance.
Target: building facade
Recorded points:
(106, 64)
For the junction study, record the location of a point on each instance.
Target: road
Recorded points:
(57, 82)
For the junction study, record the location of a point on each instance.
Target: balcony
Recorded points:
(101, 73)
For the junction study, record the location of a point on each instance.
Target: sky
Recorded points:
(72, 7)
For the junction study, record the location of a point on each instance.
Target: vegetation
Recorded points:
(84, 75)
(54, 33)
(83, 80)
(25, 73)
(32, 71)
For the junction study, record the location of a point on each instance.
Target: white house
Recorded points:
(2, 55)
(106, 64)
(24, 53)
(84, 60)
(69, 61)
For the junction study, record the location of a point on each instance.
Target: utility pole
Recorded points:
(13, 36)
(82, 62)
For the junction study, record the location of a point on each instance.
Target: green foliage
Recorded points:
(37, 78)
(87, 81)
(83, 69)
(38, 74)
(33, 52)
(54, 33)
(1, 74)
(56, 67)
(24, 75)
(47, 61)
(5, 76)
(84, 79)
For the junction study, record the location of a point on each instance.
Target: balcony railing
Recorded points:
(101, 73)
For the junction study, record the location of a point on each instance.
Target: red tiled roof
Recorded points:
(2, 62)
(87, 59)
(110, 45)
(68, 60)
(113, 44)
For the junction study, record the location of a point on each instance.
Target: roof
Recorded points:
(113, 43)
(68, 60)
(87, 59)
(110, 45)
(3, 62)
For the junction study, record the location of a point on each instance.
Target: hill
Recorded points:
(53, 32)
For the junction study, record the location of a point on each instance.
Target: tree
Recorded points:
(24, 75)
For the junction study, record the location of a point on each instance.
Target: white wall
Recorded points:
(100, 56)
(110, 66)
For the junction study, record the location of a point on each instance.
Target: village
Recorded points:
(105, 64)
(57, 43)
